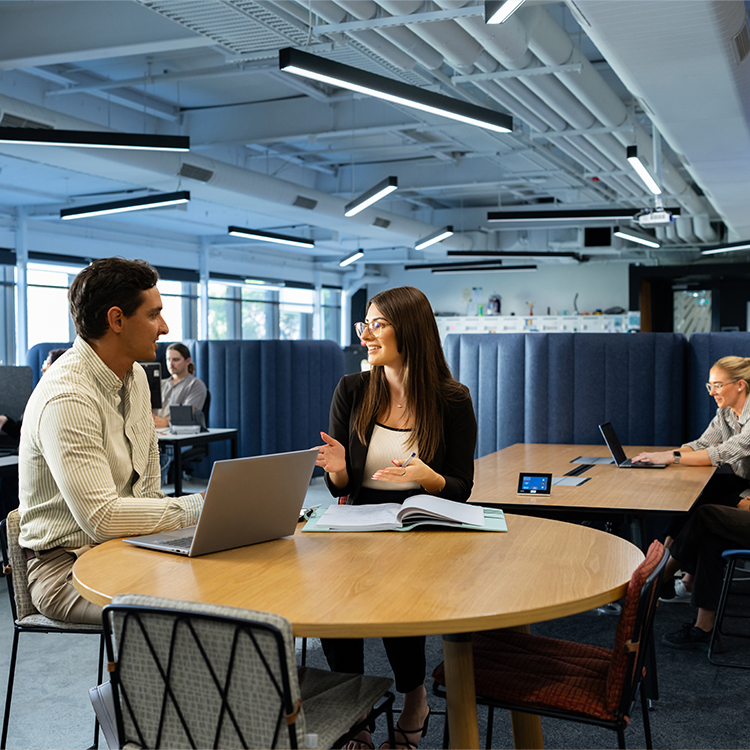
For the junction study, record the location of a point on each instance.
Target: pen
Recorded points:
(406, 463)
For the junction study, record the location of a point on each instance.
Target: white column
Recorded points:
(22, 306)
(203, 291)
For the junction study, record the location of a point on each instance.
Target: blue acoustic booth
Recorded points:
(557, 388)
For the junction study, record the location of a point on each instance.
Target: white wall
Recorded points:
(599, 286)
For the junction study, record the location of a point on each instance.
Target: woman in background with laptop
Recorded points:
(405, 427)
(725, 443)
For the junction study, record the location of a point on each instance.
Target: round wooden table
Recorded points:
(363, 585)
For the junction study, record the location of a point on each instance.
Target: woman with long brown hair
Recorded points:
(408, 403)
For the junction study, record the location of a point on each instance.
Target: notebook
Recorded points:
(618, 454)
(248, 500)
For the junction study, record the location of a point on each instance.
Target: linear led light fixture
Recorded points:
(353, 258)
(631, 236)
(432, 239)
(134, 204)
(578, 215)
(363, 82)
(374, 194)
(499, 11)
(641, 171)
(728, 248)
(478, 267)
(94, 139)
(279, 239)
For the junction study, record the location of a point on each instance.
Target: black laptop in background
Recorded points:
(618, 454)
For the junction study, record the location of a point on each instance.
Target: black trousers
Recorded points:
(723, 488)
(405, 655)
(708, 532)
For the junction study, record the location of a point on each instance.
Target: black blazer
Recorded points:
(454, 458)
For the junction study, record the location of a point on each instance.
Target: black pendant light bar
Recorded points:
(344, 76)
(279, 239)
(134, 204)
(94, 139)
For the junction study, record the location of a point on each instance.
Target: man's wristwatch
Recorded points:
(677, 455)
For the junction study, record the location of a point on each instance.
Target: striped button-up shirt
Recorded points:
(89, 458)
(727, 440)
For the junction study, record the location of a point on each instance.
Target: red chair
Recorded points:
(573, 681)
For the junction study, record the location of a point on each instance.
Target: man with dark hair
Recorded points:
(89, 458)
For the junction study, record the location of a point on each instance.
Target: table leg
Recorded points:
(177, 470)
(459, 687)
(233, 446)
(527, 728)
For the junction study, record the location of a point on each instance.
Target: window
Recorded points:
(172, 300)
(296, 313)
(258, 313)
(48, 315)
(330, 300)
(223, 304)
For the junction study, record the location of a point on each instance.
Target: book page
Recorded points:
(439, 507)
(361, 517)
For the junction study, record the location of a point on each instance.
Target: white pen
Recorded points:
(406, 463)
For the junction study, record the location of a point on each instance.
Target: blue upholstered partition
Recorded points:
(556, 388)
(38, 353)
(704, 350)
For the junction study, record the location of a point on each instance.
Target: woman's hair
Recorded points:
(738, 368)
(55, 354)
(180, 348)
(428, 383)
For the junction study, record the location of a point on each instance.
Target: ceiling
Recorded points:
(583, 80)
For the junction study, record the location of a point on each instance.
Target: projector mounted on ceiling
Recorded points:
(657, 218)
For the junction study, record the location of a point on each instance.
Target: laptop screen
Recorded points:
(153, 374)
(610, 438)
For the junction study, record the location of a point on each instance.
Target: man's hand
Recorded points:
(161, 422)
(744, 503)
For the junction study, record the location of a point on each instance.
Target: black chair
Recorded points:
(198, 452)
(200, 675)
(732, 556)
(26, 617)
(574, 681)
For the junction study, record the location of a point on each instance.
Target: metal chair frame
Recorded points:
(732, 556)
(18, 628)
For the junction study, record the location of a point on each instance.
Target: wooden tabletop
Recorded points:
(385, 583)
(670, 490)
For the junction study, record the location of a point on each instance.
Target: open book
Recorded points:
(417, 510)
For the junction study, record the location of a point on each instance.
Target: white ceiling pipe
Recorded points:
(400, 36)
(684, 228)
(332, 13)
(553, 46)
(670, 233)
(703, 229)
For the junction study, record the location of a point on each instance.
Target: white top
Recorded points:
(387, 443)
(89, 458)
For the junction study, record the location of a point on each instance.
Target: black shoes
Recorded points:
(688, 637)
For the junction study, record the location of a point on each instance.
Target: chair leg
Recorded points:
(621, 738)
(304, 651)
(9, 694)
(99, 674)
(490, 729)
(646, 719)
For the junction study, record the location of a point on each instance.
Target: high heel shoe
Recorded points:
(407, 744)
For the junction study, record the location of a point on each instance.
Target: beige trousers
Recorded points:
(51, 587)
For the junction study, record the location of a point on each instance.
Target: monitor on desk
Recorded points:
(153, 374)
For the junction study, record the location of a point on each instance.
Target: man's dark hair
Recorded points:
(107, 283)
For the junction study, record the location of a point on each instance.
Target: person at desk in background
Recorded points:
(408, 403)
(182, 388)
(89, 460)
(725, 443)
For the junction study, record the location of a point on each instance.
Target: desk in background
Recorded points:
(630, 492)
(201, 438)
(447, 583)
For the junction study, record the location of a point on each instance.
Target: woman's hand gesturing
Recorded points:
(331, 455)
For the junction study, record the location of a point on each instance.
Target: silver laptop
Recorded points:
(618, 454)
(248, 500)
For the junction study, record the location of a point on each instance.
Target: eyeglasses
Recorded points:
(376, 328)
(711, 387)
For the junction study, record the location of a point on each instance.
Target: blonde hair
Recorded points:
(738, 368)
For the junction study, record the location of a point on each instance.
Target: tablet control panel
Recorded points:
(531, 484)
